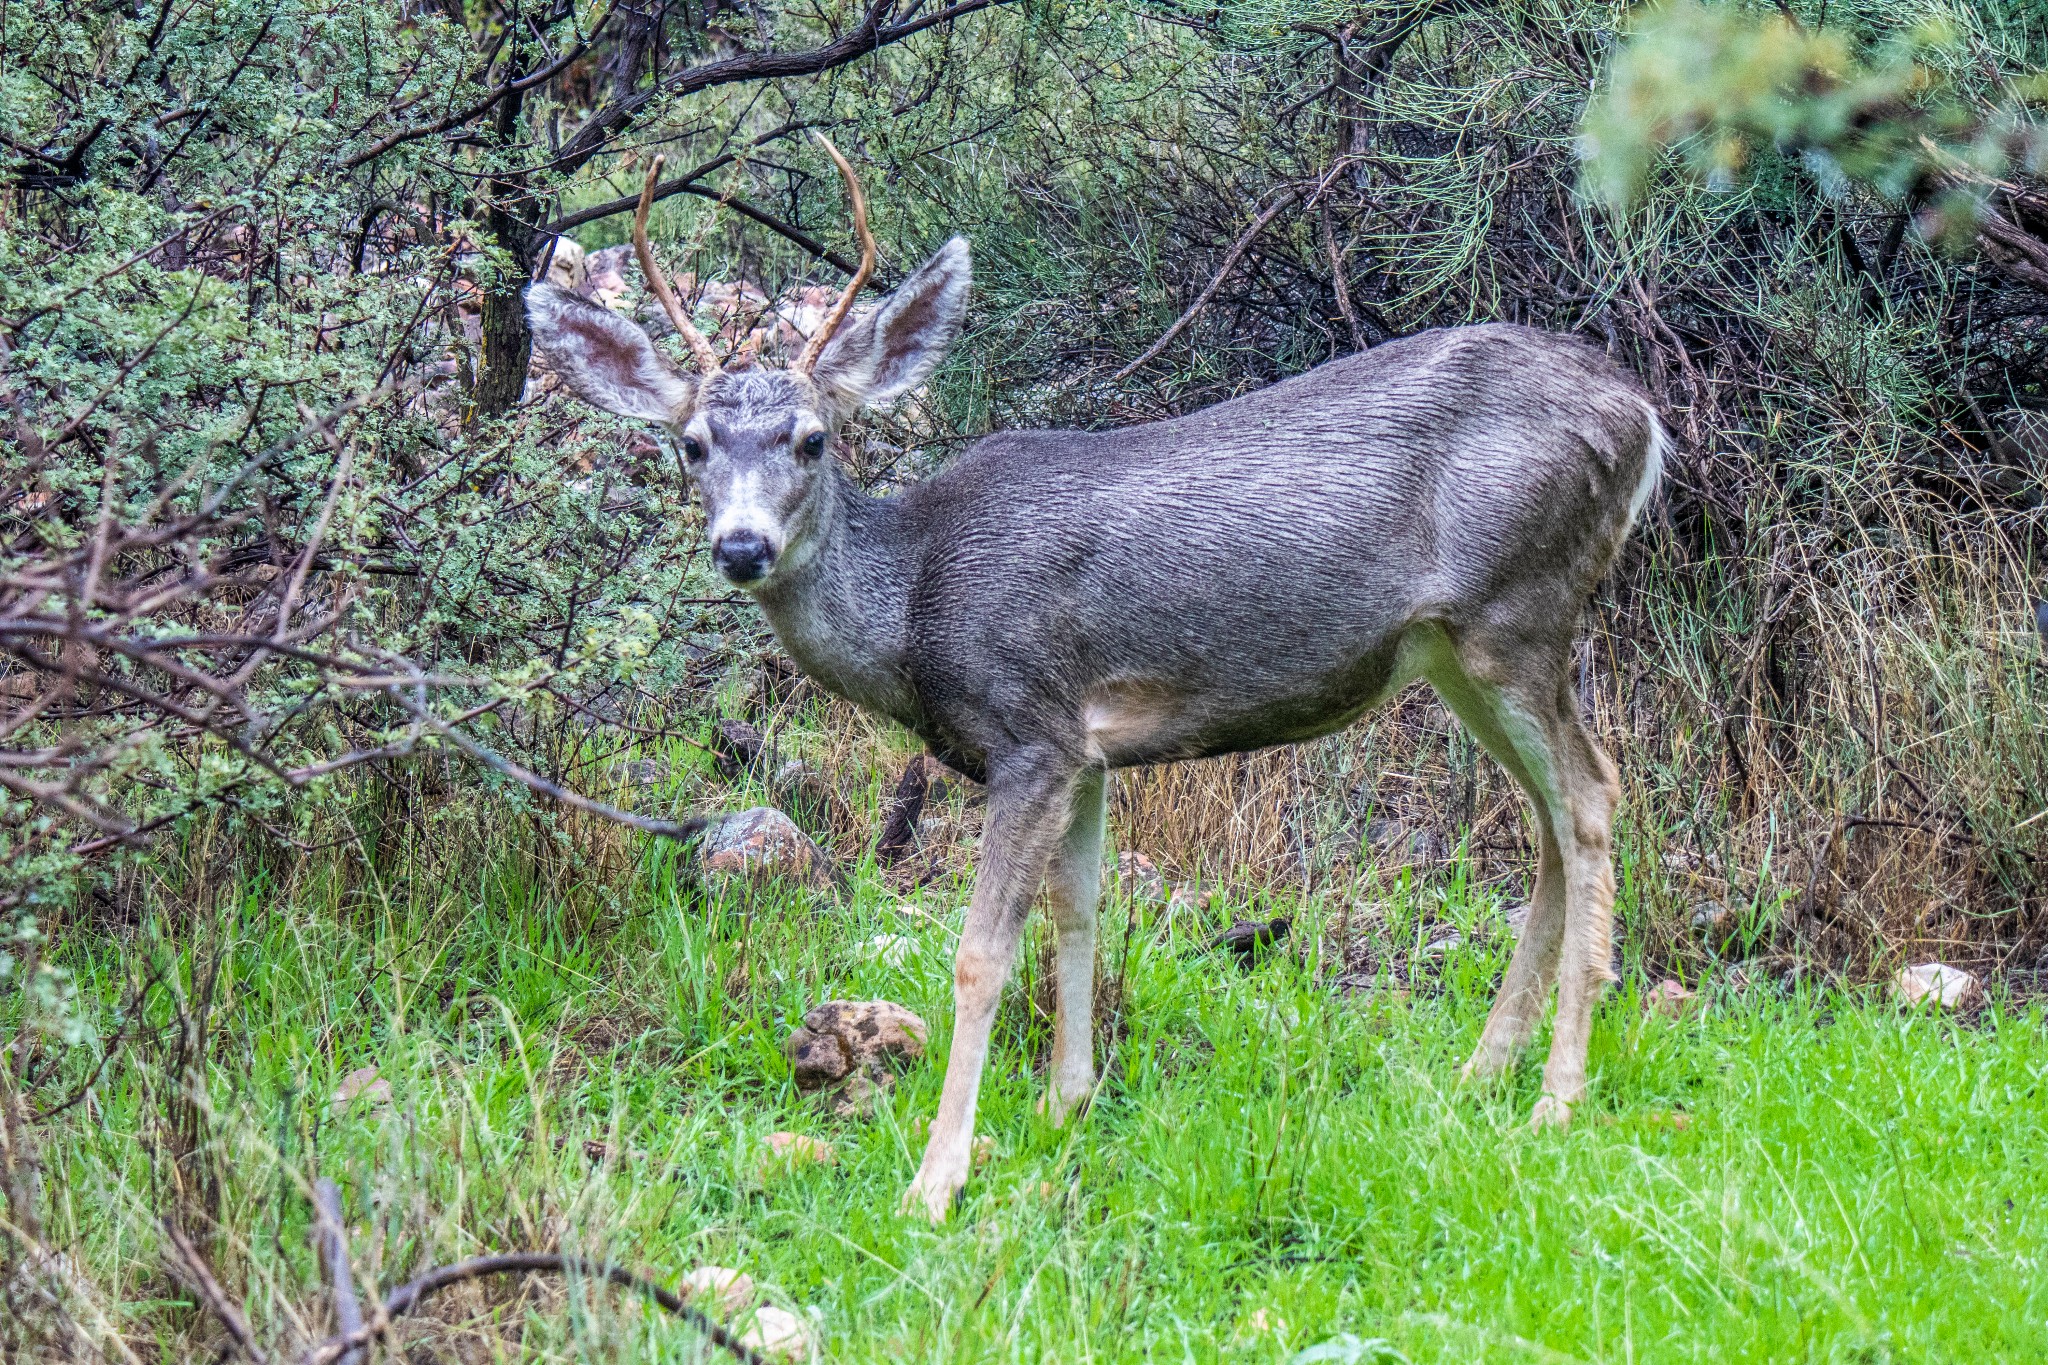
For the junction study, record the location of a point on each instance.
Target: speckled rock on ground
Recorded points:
(847, 1049)
(764, 843)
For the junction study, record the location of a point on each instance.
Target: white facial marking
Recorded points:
(742, 508)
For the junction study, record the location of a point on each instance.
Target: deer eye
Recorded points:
(693, 450)
(812, 446)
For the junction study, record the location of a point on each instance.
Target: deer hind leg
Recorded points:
(1591, 792)
(1534, 731)
(1029, 800)
(1074, 886)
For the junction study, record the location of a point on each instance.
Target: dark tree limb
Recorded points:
(869, 35)
(1230, 260)
(526, 777)
(628, 203)
(1340, 282)
(500, 93)
(906, 807)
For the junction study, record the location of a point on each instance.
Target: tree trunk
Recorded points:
(507, 343)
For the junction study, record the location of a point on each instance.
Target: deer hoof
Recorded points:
(931, 1197)
(1550, 1113)
(1061, 1103)
(1487, 1063)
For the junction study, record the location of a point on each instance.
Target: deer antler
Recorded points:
(700, 349)
(816, 347)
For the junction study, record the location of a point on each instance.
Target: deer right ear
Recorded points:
(607, 360)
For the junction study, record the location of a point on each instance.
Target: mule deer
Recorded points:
(1057, 604)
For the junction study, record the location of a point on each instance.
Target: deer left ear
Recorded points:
(608, 360)
(892, 349)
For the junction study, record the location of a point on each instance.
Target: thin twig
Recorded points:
(1194, 310)
(1340, 283)
(626, 203)
(672, 829)
(187, 1265)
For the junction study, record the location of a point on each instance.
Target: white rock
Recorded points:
(778, 1332)
(1950, 988)
(566, 265)
(718, 1289)
(1265, 1322)
(1712, 917)
(891, 950)
(361, 1084)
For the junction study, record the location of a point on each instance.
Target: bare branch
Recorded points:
(330, 1230)
(484, 106)
(408, 1297)
(1230, 260)
(869, 35)
(190, 1268)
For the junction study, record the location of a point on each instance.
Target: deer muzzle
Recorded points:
(743, 556)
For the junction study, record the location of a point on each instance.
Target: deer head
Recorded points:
(754, 439)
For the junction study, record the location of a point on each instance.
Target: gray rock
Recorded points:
(1714, 920)
(1402, 842)
(1382, 834)
(763, 843)
(643, 772)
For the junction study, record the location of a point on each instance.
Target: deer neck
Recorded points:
(842, 612)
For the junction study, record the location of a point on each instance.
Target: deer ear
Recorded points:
(606, 359)
(892, 349)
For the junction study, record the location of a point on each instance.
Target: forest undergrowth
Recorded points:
(576, 1046)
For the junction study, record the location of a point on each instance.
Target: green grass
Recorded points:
(1269, 1164)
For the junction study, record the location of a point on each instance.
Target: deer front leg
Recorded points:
(1028, 802)
(1074, 887)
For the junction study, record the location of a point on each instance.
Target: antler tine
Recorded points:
(700, 349)
(819, 338)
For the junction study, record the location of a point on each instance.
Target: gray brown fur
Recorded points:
(1247, 572)
(1055, 605)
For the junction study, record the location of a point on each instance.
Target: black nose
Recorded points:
(742, 556)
